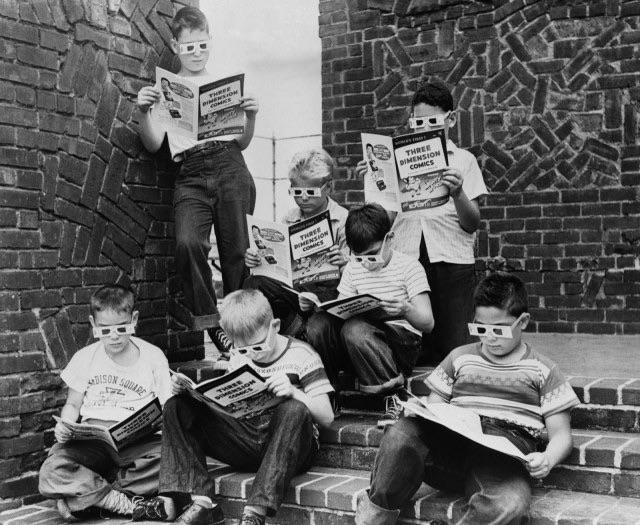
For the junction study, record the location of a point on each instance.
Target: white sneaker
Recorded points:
(392, 411)
(116, 502)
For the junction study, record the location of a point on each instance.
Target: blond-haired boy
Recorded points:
(276, 444)
(310, 177)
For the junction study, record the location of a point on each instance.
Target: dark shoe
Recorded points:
(251, 519)
(199, 515)
(221, 340)
(153, 509)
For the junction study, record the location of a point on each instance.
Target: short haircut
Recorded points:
(312, 164)
(433, 94)
(188, 18)
(365, 225)
(502, 290)
(245, 312)
(112, 297)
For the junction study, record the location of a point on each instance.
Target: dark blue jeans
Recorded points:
(214, 188)
(452, 306)
(277, 445)
(414, 450)
(380, 355)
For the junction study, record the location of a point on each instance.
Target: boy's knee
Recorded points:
(175, 408)
(317, 325)
(355, 331)
(293, 409)
(400, 437)
(187, 244)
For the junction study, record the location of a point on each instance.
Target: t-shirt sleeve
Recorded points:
(440, 381)
(313, 378)
(346, 286)
(415, 279)
(75, 374)
(473, 183)
(556, 394)
(162, 379)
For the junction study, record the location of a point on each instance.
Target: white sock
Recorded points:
(203, 501)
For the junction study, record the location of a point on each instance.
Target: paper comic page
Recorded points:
(199, 109)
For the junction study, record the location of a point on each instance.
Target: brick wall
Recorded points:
(548, 97)
(80, 204)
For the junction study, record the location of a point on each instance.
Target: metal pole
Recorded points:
(273, 172)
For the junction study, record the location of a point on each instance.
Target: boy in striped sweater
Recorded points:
(380, 354)
(517, 392)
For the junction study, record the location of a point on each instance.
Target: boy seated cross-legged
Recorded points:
(517, 392)
(381, 355)
(310, 176)
(277, 444)
(108, 381)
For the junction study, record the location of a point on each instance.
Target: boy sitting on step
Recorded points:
(108, 381)
(517, 393)
(310, 176)
(381, 355)
(277, 444)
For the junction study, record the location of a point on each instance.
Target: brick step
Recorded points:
(621, 418)
(328, 496)
(601, 462)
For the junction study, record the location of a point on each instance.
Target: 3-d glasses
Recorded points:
(116, 329)
(190, 47)
(500, 331)
(435, 121)
(308, 192)
(374, 257)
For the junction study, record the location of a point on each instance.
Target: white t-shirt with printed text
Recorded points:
(113, 392)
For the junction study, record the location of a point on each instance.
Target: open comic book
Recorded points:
(239, 393)
(464, 422)
(294, 254)
(199, 108)
(343, 308)
(404, 173)
(139, 424)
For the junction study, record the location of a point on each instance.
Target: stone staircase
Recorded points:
(599, 483)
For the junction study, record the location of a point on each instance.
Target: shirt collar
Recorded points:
(451, 147)
(295, 214)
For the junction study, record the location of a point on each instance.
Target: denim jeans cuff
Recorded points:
(368, 513)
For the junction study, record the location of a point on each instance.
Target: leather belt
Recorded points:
(211, 145)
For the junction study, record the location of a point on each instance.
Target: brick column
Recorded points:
(81, 204)
(547, 96)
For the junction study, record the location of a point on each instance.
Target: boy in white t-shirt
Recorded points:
(213, 187)
(380, 354)
(443, 237)
(108, 381)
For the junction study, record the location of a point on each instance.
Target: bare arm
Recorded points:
(319, 406)
(151, 134)
(250, 106)
(70, 412)
(416, 311)
(558, 426)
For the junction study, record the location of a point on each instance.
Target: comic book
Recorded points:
(294, 254)
(139, 424)
(405, 173)
(464, 422)
(344, 308)
(199, 108)
(239, 393)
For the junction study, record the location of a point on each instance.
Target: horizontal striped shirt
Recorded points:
(444, 238)
(525, 392)
(302, 365)
(402, 279)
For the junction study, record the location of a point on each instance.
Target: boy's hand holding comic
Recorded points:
(453, 180)
(306, 304)
(178, 385)
(147, 97)
(538, 464)
(395, 307)
(62, 433)
(336, 257)
(251, 258)
(250, 105)
(361, 168)
(280, 385)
